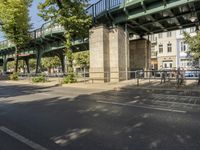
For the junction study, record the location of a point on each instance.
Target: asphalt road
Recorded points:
(58, 118)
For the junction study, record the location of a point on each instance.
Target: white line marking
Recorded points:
(146, 107)
(177, 96)
(46, 94)
(22, 139)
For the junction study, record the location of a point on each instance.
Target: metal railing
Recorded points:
(102, 6)
(177, 77)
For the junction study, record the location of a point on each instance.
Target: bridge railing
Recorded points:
(5, 44)
(102, 6)
(94, 10)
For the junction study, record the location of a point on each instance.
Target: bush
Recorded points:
(39, 79)
(70, 78)
(14, 76)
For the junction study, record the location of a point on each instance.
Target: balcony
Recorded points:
(154, 54)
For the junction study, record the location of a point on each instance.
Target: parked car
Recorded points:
(189, 73)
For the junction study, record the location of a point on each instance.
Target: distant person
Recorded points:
(179, 76)
(163, 76)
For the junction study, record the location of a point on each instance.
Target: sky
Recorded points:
(35, 19)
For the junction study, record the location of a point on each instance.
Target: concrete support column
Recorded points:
(99, 54)
(109, 52)
(140, 54)
(5, 65)
(118, 53)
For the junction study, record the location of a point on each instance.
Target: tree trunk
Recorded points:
(69, 52)
(16, 59)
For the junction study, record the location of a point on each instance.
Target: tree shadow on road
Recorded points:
(85, 123)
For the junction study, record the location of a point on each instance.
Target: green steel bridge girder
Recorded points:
(152, 16)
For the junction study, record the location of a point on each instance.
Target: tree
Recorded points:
(50, 62)
(11, 65)
(71, 14)
(194, 44)
(82, 59)
(14, 15)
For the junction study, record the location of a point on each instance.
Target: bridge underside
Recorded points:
(153, 16)
(112, 54)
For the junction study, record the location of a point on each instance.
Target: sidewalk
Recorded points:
(143, 84)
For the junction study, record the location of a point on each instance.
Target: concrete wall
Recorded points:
(140, 54)
(110, 56)
(99, 53)
(107, 54)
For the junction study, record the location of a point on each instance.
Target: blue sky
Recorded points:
(35, 19)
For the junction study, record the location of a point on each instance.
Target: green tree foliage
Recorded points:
(11, 65)
(32, 64)
(50, 62)
(194, 44)
(71, 14)
(82, 59)
(14, 15)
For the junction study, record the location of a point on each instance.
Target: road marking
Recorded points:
(46, 94)
(177, 96)
(22, 139)
(146, 107)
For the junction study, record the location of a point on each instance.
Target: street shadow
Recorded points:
(85, 122)
(18, 90)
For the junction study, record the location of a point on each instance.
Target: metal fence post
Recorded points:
(138, 82)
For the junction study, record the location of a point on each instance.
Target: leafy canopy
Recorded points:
(14, 16)
(194, 44)
(82, 59)
(71, 14)
(50, 62)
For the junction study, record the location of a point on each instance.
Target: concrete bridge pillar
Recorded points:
(108, 54)
(99, 54)
(118, 48)
(140, 54)
(112, 55)
(5, 64)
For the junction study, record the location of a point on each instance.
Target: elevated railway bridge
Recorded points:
(111, 49)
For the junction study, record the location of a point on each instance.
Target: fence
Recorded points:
(162, 76)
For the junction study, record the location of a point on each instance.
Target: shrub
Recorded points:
(14, 76)
(70, 78)
(39, 79)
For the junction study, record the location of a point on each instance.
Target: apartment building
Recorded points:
(184, 60)
(168, 50)
(164, 49)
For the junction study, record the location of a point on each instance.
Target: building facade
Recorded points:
(168, 50)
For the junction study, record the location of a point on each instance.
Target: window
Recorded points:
(169, 34)
(169, 47)
(182, 31)
(160, 48)
(185, 63)
(152, 47)
(183, 46)
(192, 29)
(159, 35)
(168, 64)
